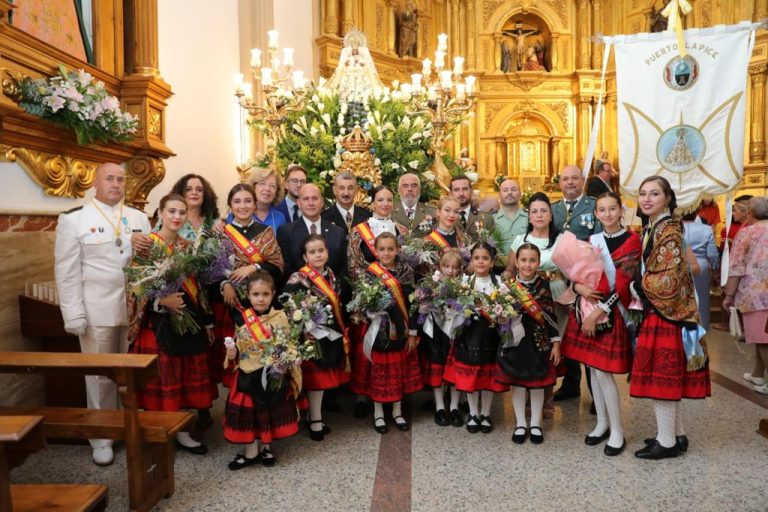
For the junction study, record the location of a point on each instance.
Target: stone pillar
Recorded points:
(584, 21)
(585, 125)
(141, 30)
(597, 28)
(553, 53)
(392, 27)
(497, 40)
(501, 156)
(348, 21)
(471, 36)
(332, 17)
(757, 115)
(554, 144)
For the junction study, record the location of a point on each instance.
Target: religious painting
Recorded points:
(55, 22)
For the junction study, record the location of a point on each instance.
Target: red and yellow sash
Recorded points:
(530, 305)
(242, 243)
(258, 331)
(393, 285)
(367, 235)
(327, 290)
(438, 239)
(189, 285)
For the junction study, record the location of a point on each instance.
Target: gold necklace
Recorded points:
(118, 240)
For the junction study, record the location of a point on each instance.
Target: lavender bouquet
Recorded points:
(309, 315)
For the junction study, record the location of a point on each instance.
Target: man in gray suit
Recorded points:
(575, 212)
(469, 216)
(409, 211)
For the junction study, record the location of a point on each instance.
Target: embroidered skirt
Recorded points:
(659, 366)
(183, 381)
(314, 378)
(609, 351)
(471, 378)
(388, 377)
(433, 355)
(223, 326)
(245, 422)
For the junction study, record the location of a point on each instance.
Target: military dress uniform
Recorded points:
(93, 246)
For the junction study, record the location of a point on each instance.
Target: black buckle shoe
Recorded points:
(519, 438)
(536, 438)
(682, 442)
(381, 429)
(486, 429)
(457, 419)
(194, 450)
(655, 451)
(267, 458)
(473, 429)
(595, 440)
(441, 418)
(317, 435)
(401, 425)
(612, 451)
(241, 461)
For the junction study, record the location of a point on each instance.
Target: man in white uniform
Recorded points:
(93, 245)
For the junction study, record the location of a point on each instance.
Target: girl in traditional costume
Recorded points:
(529, 364)
(663, 369)
(256, 413)
(386, 366)
(471, 364)
(606, 347)
(254, 247)
(331, 369)
(184, 380)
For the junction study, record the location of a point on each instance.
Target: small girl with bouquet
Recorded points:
(260, 408)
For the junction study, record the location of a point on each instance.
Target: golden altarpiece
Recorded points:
(538, 68)
(125, 58)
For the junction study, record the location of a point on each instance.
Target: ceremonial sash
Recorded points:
(242, 243)
(393, 285)
(189, 285)
(257, 330)
(530, 305)
(367, 235)
(327, 290)
(438, 239)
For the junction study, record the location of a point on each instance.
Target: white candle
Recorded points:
(431, 94)
(442, 42)
(298, 79)
(275, 63)
(439, 60)
(406, 89)
(255, 58)
(416, 81)
(248, 90)
(272, 34)
(458, 65)
(288, 57)
(426, 68)
(237, 78)
(461, 92)
(470, 82)
(445, 79)
(266, 77)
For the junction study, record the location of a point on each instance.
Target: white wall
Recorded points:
(295, 20)
(22, 195)
(199, 52)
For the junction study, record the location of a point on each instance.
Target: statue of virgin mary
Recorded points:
(355, 77)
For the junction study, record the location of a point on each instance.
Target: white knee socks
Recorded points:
(186, 440)
(600, 407)
(455, 395)
(518, 403)
(439, 393)
(315, 409)
(473, 399)
(397, 409)
(605, 383)
(679, 431)
(537, 406)
(665, 422)
(378, 410)
(252, 450)
(486, 400)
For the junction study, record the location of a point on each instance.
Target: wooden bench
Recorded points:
(19, 437)
(149, 436)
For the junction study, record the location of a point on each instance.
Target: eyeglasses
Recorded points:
(294, 181)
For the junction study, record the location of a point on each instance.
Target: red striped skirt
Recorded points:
(314, 378)
(388, 377)
(659, 366)
(550, 379)
(183, 382)
(471, 378)
(432, 374)
(608, 351)
(244, 422)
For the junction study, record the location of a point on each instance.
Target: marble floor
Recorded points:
(432, 468)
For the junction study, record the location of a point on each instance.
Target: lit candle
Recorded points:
(439, 60)
(406, 89)
(461, 92)
(458, 65)
(238, 79)
(255, 58)
(470, 82)
(248, 90)
(416, 81)
(272, 34)
(431, 94)
(426, 68)
(275, 63)
(442, 42)
(266, 77)
(445, 79)
(298, 79)
(288, 57)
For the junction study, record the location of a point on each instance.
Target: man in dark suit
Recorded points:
(600, 183)
(575, 212)
(295, 178)
(409, 211)
(291, 236)
(343, 212)
(469, 216)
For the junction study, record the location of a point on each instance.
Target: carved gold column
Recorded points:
(584, 19)
(462, 50)
(585, 103)
(761, 9)
(332, 17)
(597, 28)
(501, 156)
(757, 115)
(471, 36)
(348, 21)
(455, 48)
(141, 34)
(554, 144)
(497, 40)
(392, 27)
(553, 53)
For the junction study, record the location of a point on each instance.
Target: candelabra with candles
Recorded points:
(284, 90)
(443, 97)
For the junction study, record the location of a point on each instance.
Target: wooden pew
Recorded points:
(149, 436)
(19, 437)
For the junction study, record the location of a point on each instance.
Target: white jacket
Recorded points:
(89, 265)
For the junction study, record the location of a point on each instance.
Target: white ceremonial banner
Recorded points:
(683, 117)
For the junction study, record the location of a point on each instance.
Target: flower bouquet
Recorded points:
(441, 301)
(370, 301)
(505, 312)
(76, 100)
(419, 253)
(309, 314)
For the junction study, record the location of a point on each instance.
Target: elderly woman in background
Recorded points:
(747, 286)
(701, 240)
(269, 192)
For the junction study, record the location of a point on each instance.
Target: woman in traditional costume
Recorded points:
(183, 381)
(606, 347)
(331, 368)
(663, 369)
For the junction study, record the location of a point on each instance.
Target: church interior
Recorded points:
(186, 71)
